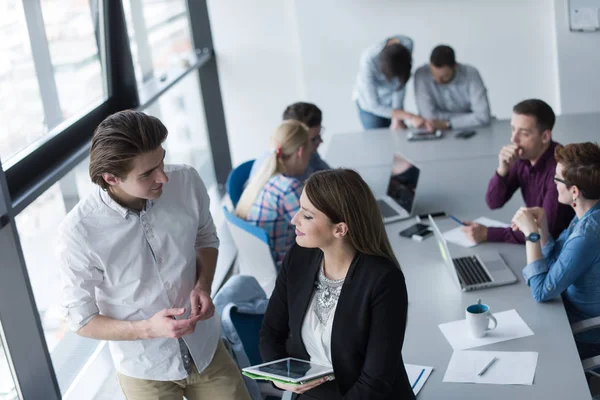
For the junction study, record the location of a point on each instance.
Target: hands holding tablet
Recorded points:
(304, 387)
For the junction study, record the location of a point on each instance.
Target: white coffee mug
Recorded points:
(478, 320)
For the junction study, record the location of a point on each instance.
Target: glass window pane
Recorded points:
(159, 35)
(21, 109)
(74, 52)
(37, 226)
(182, 111)
(63, 78)
(8, 390)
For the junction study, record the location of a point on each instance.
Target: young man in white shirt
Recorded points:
(138, 257)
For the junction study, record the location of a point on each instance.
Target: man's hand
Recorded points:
(162, 325)
(417, 122)
(436, 124)
(301, 388)
(397, 124)
(507, 157)
(475, 232)
(202, 305)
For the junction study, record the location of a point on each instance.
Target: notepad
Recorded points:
(510, 326)
(457, 236)
(510, 368)
(417, 375)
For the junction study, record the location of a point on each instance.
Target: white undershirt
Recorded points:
(317, 336)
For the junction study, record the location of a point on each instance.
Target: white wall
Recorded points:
(578, 65)
(274, 52)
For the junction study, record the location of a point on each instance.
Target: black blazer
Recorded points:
(368, 325)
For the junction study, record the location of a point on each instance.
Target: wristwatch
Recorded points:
(533, 237)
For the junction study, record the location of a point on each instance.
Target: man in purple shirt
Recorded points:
(527, 163)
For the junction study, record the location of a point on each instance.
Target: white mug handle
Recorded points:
(491, 317)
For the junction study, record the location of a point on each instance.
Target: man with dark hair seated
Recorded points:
(380, 88)
(450, 95)
(526, 163)
(311, 116)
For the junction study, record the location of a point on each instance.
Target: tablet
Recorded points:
(290, 369)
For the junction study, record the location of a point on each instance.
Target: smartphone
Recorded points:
(416, 229)
(464, 134)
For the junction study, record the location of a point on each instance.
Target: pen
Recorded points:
(487, 366)
(456, 220)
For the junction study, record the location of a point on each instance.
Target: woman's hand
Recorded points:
(528, 220)
(302, 388)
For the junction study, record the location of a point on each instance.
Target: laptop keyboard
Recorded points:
(470, 271)
(386, 210)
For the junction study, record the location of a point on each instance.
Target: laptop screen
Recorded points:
(402, 186)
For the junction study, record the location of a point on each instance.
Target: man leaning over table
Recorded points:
(138, 257)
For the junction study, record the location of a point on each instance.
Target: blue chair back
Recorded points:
(248, 328)
(237, 179)
(252, 229)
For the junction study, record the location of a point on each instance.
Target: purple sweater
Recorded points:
(538, 190)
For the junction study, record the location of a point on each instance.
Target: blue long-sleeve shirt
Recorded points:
(373, 92)
(571, 268)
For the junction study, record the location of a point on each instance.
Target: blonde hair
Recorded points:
(290, 136)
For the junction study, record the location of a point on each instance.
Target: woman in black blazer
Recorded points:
(340, 297)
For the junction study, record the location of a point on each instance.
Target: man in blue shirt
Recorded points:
(311, 116)
(380, 88)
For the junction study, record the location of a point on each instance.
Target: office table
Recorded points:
(455, 182)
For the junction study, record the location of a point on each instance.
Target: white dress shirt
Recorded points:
(317, 336)
(128, 266)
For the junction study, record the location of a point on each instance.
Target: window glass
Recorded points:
(21, 109)
(71, 34)
(8, 390)
(159, 35)
(61, 79)
(37, 226)
(182, 111)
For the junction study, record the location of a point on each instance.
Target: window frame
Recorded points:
(33, 170)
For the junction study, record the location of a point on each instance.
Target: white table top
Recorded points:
(454, 178)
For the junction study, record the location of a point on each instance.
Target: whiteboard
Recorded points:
(584, 15)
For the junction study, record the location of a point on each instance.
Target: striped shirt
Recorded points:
(372, 91)
(273, 210)
(463, 101)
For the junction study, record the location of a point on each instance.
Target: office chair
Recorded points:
(242, 303)
(592, 363)
(254, 251)
(237, 180)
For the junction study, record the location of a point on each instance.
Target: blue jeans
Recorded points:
(372, 121)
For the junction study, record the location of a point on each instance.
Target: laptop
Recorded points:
(475, 271)
(399, 201)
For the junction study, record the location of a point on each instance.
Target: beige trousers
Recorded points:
(221, 380)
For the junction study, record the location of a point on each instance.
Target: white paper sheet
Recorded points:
(417, 375)
(457, 236)
(511, 368)
(510, 326)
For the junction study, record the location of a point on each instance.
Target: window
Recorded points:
(182, 111)
(61, 77)
(159, 35)
(37, 225)
(74, 52)
(8, 390)
(21, 109)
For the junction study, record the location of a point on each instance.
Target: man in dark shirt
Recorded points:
(527, 163)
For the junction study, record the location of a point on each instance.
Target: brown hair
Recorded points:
(540, 110)
(581, 163)
(307, 113)
(344, 196)
(119, 139)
